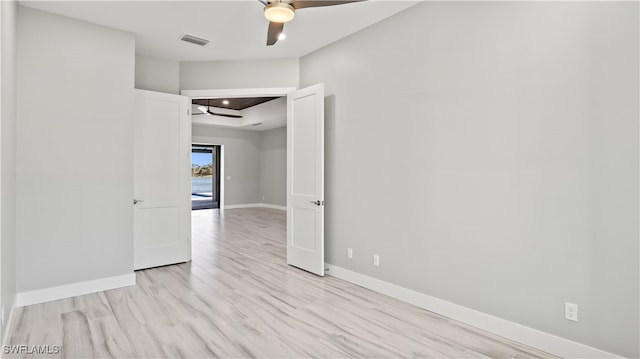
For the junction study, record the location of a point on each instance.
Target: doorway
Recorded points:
(205, 176)
(308, 134)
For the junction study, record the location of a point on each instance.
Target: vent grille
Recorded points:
(194, 40)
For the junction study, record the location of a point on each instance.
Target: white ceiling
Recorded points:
(237, 29)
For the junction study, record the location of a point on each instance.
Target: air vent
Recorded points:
(194, 40)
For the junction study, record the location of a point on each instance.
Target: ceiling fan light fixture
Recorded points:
(279, 12)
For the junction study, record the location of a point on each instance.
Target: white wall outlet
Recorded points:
(263, 198)
(350, 253)
(571, 311)
(228, 178)
(376, 260)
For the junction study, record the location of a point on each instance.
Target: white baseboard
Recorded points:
(273, 206)
(73, 289)
(243, 205)
(254, 205)
(532, 337)
(8, 324)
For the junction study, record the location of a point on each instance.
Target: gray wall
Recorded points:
(9, 13)
(156, 74)
(273, 166)
(74, 151)
(205, 75)
(241, 160)
(491, 159)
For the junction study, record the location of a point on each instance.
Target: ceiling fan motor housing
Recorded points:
(279, 12)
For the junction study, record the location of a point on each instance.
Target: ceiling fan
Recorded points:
(280, 11)
(206, 110)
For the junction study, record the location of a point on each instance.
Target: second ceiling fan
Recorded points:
(280, 11)
(206, 109)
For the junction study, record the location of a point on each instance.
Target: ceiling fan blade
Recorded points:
(301, 4)
(223, 114)
(275, 28)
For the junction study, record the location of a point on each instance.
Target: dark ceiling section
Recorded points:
(234, 103)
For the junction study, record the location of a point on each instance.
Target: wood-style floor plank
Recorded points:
(237, 298)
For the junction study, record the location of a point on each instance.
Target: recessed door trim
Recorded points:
(238, 93)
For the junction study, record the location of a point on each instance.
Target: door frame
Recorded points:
(234, 93)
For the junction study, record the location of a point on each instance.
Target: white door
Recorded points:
(162, 188)
(305, 179)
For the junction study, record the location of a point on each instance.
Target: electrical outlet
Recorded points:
(350, 253)
(571, 311)
(263, 198)
(376, 260)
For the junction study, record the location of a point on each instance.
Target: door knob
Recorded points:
(317, 203)
(136, 201)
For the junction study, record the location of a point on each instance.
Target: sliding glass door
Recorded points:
(205, 176)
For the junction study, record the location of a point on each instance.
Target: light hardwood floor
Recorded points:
(238, 298)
